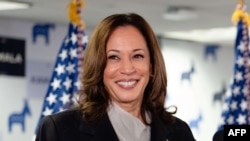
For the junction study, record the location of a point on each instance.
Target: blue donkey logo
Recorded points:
(211, 51)
(186, 75)
(42, 30)
(19, 117)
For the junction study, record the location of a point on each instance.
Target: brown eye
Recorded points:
(137, 56)
(113, 57)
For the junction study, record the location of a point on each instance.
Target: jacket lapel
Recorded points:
(102, 130)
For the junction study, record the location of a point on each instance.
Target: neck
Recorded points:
(133, 109)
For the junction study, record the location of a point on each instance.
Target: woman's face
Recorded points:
(127, 72)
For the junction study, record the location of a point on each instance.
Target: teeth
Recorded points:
(126, 83)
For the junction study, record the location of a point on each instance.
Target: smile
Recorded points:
(127, 84)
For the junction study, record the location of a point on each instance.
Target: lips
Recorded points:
(127, 84)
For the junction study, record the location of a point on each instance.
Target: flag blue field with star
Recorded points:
(235, 109)
(65, 82)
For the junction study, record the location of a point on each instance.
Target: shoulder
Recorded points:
(174, 130)
(218, 136)
(66, 119)
(67, 114)
(179, 123)
(180, 130)
(61, 126)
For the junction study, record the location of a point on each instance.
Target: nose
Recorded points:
(127, 67)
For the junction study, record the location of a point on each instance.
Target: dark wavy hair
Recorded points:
(94, 98)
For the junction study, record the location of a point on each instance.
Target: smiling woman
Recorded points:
(127, 72)
(124, 89)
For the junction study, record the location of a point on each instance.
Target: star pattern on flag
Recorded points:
(238, 76)
(65, 98)
(240, 61)
(73, 53)
(60, 69)
(47, 111)
(51, 98)
(71, 68)
(235, 108)
(65, 83)
(56, 83)
(63, 54)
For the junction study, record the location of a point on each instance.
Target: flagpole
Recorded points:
(80, 30)
(75, 10)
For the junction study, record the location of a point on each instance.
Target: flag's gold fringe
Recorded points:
(73, 14)
(240, 14)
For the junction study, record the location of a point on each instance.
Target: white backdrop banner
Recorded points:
(38, 77)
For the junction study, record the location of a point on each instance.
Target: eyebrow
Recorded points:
(139, 49)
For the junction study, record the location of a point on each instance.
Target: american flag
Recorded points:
(236, 108)
(65, 83)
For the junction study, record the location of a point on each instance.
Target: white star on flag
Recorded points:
(73, 38)
(70, 68)
(51, 98)
(67, 83)
(60, 69)
(47, 111)
(63, 55)
(56, 83)
(65, 98)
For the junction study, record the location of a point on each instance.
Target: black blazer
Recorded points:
(69, 126)
(219, 135)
